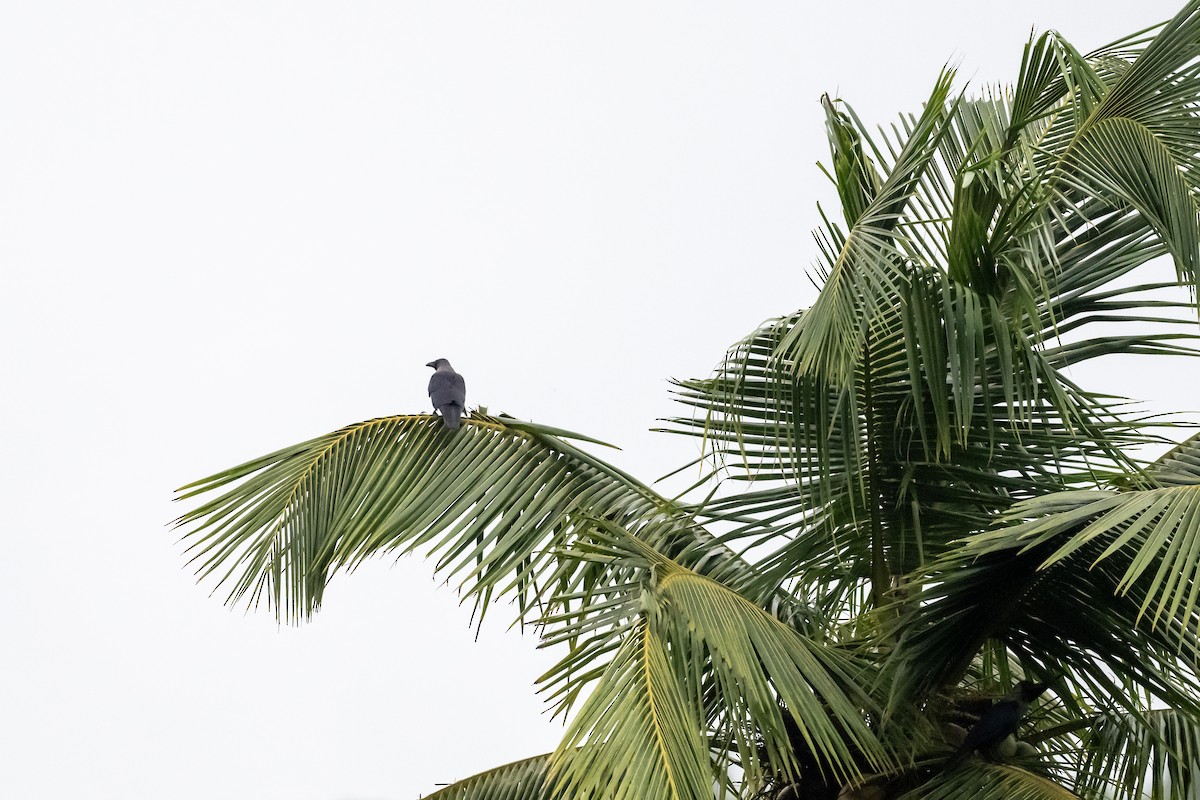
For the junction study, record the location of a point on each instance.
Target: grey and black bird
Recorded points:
(448, 391)
(998, 722)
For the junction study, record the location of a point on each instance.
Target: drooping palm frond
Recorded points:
(1150, 537)
(1123, 160)
(520, 780)
(699, 654)
(1141, 146)
(991, 782)
(497, 493)
(494, 501)
(637, 735)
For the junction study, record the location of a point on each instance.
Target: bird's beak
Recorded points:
(432, 364)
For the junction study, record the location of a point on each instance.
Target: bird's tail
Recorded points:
(452, 416)
(959, 756)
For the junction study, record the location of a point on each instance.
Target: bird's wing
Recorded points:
(447, 388)
(997, 722)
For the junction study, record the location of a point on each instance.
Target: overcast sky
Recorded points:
(228, 227)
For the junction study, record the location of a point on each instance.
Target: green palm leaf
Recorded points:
(1154, 756)
(1156, 533)
(777, 698)
(1058, 616)
(637, 735)
(491, 500)
(991, 782)
(520, 780)
(494, 501)
(1122, 159)
(758, 662)
(861, 275)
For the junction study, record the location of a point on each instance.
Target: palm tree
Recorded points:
(909, 507)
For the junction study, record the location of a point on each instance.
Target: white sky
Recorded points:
(228, 227)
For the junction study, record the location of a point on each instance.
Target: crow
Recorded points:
(448, 391)
(997, 723)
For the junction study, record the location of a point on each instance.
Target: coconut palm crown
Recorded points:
(910, 505)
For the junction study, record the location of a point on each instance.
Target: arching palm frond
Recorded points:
(637, 735)
(1154, 536)
(1122, 159)
(1149, 537)
(520, 780)
(697, 654)
(494, 502)
(1150, 148)
(991, 782)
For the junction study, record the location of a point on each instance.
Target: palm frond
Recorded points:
(860, 274)
(1122, 159)
(991, 782)
(1154, 534)
(492, 500)
(751, 650)
(1057, 616)
(1179, 466)
(637, 735)
(783, 702)
(520, 780)
(1135, 151)
(1155, 756)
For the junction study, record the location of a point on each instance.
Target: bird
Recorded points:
(998, 722)
(448, 391)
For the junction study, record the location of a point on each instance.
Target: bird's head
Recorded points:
(1030, 691)
(438, 363)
